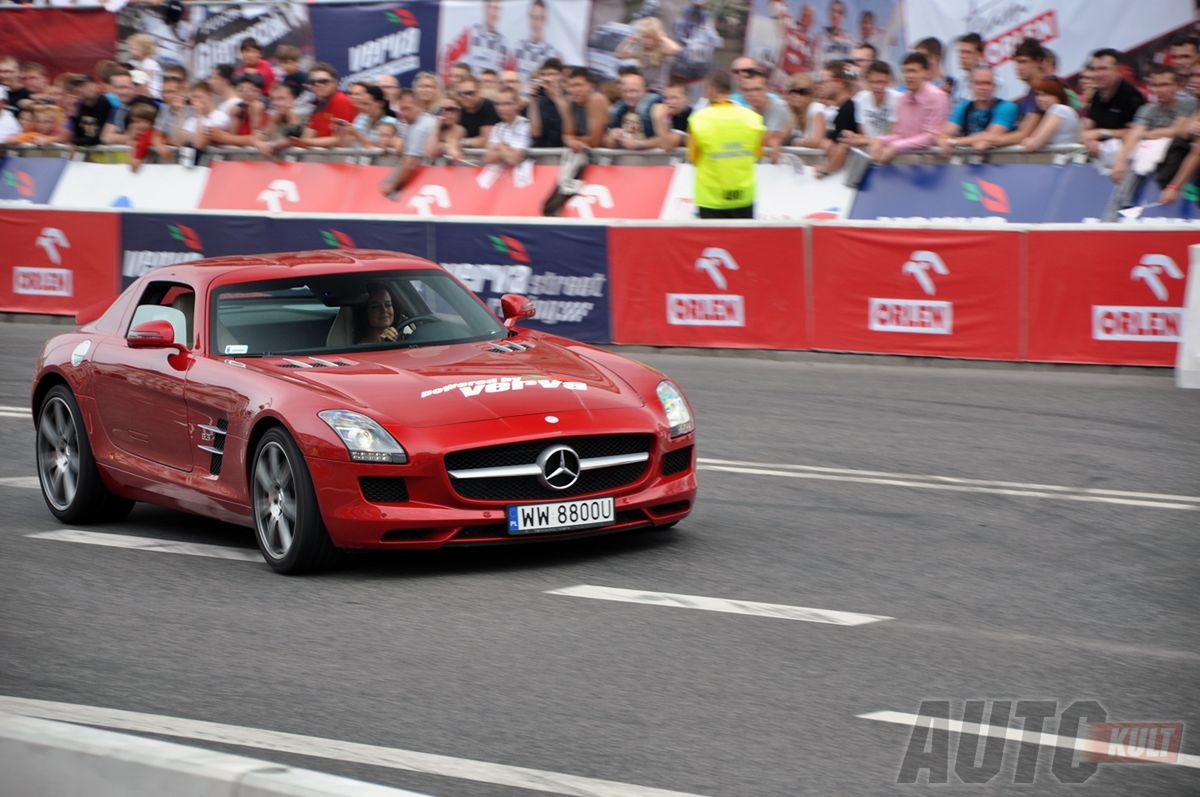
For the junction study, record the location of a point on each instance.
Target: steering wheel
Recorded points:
(416, 319)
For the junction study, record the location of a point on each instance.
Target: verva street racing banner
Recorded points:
(29, 180)
(1073, 29)
(564, 269)
(1107, 296)
(946, 293)
(57, 262)
(154, 240)
(364, 42)
(732, 287)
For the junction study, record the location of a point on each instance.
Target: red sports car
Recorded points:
(352, 399)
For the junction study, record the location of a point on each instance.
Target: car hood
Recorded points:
(459, 383)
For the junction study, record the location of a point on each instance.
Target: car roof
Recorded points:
(253, 268)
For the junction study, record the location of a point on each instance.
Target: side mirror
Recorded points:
(516, 307)
(153, 335)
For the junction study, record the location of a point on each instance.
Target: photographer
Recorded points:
(284, 121)
(545, 106)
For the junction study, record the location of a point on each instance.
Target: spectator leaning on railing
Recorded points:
(284, 121)
(586, 119)
(9, 126)
(547, 104)
(91, 113)
(875, 106)
(979, 123)
(373, 126)
(777, 117)
(920, 113)
(630, 124)
(1165, 118)
(1113, 107)
(478, 113)
(446, 140)
(1028, 61)
(422, 126)
(842, 83)
(671, 116)
(1059, 123)
(508, 143)
(331, 104)
(808, 115)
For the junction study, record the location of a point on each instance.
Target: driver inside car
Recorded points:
(375, 320)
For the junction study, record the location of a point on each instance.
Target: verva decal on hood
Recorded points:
(499, 384)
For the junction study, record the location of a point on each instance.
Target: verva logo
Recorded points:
(43, 281)
(336, 239)
(278, 192)
(992, 196)
(709, 309)
(507, 245)
(916, 316)
(186, 236)
(1143, 324)
(591, 196)
(51, 239)
(429, 197)
(20, 181)
(402, 16)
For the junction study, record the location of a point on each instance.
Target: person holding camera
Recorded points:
(545, 106)
(284, 120)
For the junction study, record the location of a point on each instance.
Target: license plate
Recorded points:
(535, 518)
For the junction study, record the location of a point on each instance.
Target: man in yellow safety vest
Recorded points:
(724, 142)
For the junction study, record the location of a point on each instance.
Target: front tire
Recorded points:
(71, 485)
(287, 520)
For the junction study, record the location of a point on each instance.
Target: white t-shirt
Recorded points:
(154, 72)
(875, 119)
(217, 120)
(1067, 131)
(814, 110)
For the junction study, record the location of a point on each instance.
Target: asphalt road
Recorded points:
(995, 593)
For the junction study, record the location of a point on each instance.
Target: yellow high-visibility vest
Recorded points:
(724, 141)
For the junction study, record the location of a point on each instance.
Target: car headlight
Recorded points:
(365, 439)
(679, 416)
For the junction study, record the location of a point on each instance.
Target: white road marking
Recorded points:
(24, 482)
(778, 610)
(12, 408)
(149, 544)
(953, 484)
(333, 749)
(1016, 735)
(10, 414)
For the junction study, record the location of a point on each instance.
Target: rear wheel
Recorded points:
(71, 485)
(287, 521)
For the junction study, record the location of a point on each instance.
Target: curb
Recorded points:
(42, 758)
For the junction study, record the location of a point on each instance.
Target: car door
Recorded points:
(139, 393)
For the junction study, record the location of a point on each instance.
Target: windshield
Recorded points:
(345, 312)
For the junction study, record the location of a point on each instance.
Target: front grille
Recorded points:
(528, 488)
(383, 489)
(527, 452)
(677, 461)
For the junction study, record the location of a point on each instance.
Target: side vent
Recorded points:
(509, 346)
(216, 436)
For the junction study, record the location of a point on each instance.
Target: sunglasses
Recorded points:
(747, 72)
(449, 109)
(322, 81)
(800, 91)
(467, 93)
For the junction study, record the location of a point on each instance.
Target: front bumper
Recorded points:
(432, 514)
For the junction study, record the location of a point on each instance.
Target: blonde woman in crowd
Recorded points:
(428, 91)
(808, 115)
(141, 56)
(654, 51)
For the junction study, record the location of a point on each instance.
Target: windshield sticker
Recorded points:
(237, 348)
(501, 384)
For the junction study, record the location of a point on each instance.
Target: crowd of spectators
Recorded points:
(493, 117)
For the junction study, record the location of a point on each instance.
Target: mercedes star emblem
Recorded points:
(559, 467)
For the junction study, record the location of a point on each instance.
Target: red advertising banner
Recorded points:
(945, 293)
(57, 262)
(737, 287)
(621, 192)
(1107, 296)
(465, 191)
(65, 40)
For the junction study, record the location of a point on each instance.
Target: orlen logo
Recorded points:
(999, 48)
(589, 197)
(43, 281)
(279, 191)
(429, 197)
(186, 236)
(1143, 324)
(709, 309)
(402, 16)
(507, 245)
(917, 316)
(51, 239)
(993, 197)
(336, 239)
(19, 181)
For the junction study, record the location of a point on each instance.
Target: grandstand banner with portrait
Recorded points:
(365, 42)
(1072, 29)
(511, 34)
(64, 40)
(204, 37)
(798, 36)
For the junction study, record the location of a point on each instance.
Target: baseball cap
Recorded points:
(139, 78)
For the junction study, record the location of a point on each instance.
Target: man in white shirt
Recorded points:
(875, 106)
(9, 126)
(508, 143)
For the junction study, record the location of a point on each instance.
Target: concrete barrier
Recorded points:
(41, 758)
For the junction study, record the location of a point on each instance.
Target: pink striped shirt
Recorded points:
(920, 116)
